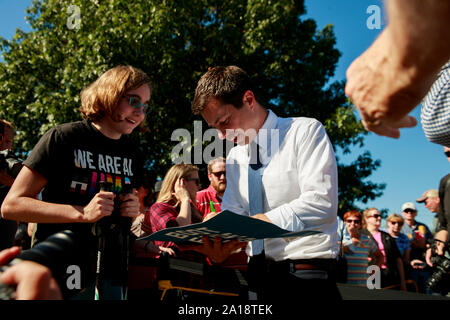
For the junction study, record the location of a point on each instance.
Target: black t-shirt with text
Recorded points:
(76, 158)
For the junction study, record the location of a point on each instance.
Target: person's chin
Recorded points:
(129, 128)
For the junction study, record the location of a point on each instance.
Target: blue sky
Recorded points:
(409, 165)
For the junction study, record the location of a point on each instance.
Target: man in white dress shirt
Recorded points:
(299, 186)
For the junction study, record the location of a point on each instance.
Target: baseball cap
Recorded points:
(409, 205)
(428, 194)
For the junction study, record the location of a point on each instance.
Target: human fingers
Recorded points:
(8, 254)
(239, 244)
(130, 208)
(177, 184)
(210, 215)
(129, 196)
(170, 251)
(106, 195)
(207, 243)
(381, 129)
(203, 248)
(100, 206)
(217, 243)
(104, 203)
(234, 245)
(405, 122)
(386, 125)
(261, 216)
(428, 257)
(221, 251)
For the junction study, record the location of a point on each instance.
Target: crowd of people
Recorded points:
(398, 249)
(176, 200)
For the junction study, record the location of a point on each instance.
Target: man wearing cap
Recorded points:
(431, 200)
(419, 235)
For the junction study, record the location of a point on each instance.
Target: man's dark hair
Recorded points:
(227, 84)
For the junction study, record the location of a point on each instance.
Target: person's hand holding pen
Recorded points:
(213, 212)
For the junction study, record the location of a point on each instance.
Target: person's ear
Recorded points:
(249, 99)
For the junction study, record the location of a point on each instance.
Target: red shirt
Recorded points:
(204, 198)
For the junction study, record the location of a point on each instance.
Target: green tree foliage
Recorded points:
(175, 42)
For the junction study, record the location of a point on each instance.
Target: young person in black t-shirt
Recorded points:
(70, 162)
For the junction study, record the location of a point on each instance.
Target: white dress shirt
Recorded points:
(300, 185)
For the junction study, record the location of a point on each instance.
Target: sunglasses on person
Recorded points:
(196, 180)
(137, 104)
(219, 174)
(355, 221)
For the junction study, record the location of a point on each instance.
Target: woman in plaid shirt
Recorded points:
(175, 205)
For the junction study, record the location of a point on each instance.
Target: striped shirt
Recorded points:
(435, 113)
(358, 260)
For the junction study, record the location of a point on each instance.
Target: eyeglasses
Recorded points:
(447, 153)
(376, 216)
(349, 221)
(409, 211)
(219, 174)
(196, 180)
(396, 222)
(137, 104)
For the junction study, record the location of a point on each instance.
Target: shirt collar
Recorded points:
(212, 190)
